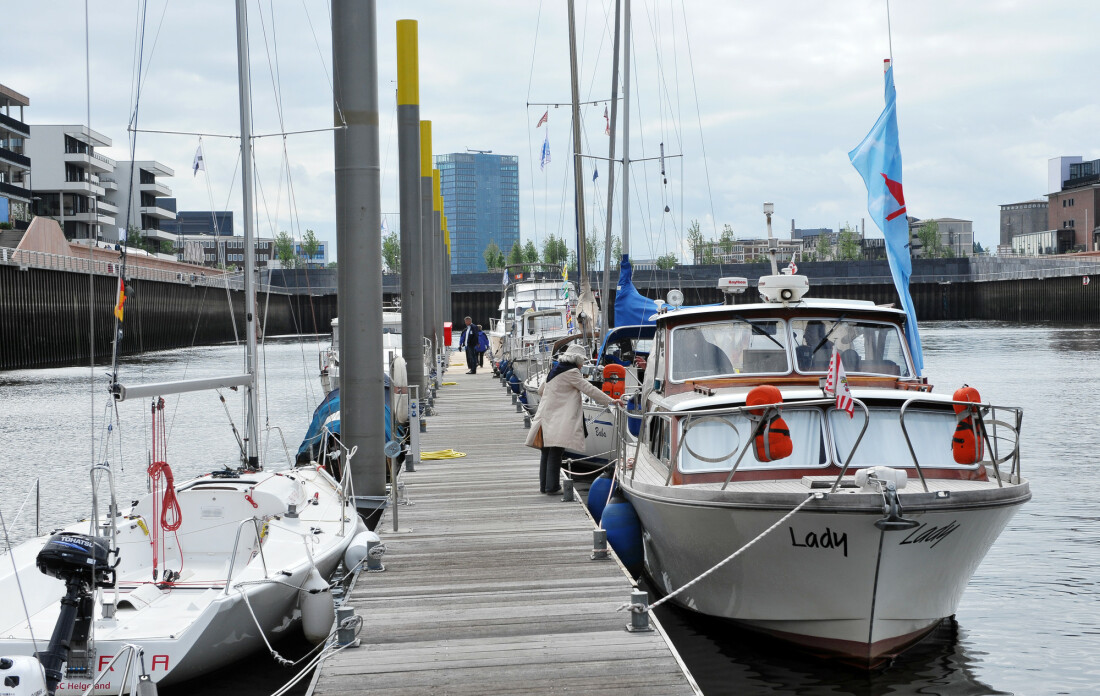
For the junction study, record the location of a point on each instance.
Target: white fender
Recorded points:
(357, 550)
(399, 381)
(318, 612)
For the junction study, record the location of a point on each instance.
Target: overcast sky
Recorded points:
(763, 100)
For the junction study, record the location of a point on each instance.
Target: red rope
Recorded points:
(166, 508)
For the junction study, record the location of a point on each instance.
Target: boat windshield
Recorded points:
(553, 294)
(723, 437)
(729, 348)
(865, 347)
(884, 442)
(543, 323)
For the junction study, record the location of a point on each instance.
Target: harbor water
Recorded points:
(1029, 623)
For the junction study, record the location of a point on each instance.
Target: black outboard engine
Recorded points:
(81, 561)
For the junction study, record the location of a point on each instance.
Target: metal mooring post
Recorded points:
(416, 426)
(599, 545)
(345, 634)
(639, 612)
(566, 489)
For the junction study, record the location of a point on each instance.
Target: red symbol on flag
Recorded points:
(895, 191)
(1085, 280)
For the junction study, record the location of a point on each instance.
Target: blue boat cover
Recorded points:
(631, 307)
(331, 405)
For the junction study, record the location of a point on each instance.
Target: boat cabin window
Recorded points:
(865, 347)
(729, 348)
(660, 441)
(541, 323)
(724, 436)
(627, 351)
(884, 442)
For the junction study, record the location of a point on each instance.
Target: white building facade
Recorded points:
(70, 181)
(139, 187)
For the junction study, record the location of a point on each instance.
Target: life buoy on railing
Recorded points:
(614, 381)
(968, 443)
(773, 440)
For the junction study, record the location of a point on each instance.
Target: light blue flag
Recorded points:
(544, 158)
(878, 161)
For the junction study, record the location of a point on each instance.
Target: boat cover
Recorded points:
(326, 409)
(631, 307)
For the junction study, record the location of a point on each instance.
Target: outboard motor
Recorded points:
(81, 562)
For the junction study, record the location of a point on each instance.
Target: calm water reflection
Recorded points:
(1029, 623)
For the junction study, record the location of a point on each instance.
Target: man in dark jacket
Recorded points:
(468, 341)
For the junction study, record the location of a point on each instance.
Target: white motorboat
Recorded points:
(890, 525)
(528, 288)
(328, 358)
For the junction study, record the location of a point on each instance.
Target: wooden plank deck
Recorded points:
(488, 587)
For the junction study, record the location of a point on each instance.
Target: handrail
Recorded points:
(233, 556)
(991, 443)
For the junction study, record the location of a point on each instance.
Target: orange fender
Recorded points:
(968, 443)
(774, 442)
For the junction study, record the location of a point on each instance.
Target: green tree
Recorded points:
(928, 235)
(667, 262)
(391, 252)
(530, 252)
(554, 250)
(494, 257)
(165, 247)
(727, 241)
(847, 245)
(695, 240)
(310, 246)
(515, 256)
(284, 250)
(594, 246)
(331, 264)
(978, 248)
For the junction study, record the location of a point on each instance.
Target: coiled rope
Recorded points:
(442, 454)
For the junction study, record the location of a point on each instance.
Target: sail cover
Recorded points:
(327, 415)
(631, 307)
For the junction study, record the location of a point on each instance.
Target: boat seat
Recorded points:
(765, 361)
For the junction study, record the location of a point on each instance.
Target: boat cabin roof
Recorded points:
(708, 312)
(729, 397)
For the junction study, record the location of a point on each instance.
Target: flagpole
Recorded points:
(889, 33)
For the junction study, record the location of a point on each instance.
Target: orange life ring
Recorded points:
(968, 443)
(774, 441)
(614, 381)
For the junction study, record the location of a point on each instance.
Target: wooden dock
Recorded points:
(488, 587)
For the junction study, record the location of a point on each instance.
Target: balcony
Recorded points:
(15, 126)
(16, 192)
(108, 184)
(158, 212)
(93, 161)
(15, 158)
(106, 207)
(81, 187)
(159, 235)
(159, 188)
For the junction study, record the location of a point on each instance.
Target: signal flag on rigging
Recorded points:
(543, 119)
(121, 299)
(836, 384)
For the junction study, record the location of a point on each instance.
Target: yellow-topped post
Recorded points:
(427, 248)
(438, 249)
(413, 269)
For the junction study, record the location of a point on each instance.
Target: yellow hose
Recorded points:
(442, 454)
(449, 384)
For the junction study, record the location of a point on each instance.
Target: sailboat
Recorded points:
(197, 574)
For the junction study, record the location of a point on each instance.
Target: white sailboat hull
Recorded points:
(826, 579)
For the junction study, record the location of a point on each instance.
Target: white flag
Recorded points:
(545, 158)
(836, 384)
(199, 163)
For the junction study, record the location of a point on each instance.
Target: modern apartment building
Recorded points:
(140, 192)
(15, 166)
(318, 260)
(191, 222)
(70, 181)
(221, 250)
(481, 202)
(956, 236)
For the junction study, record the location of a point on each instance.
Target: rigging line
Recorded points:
(530, 145)
(190, 353)
(153, 48)
(91, 264)
(324, 66)
(662, 81)
(647, 222)
(18, 582)
(699, 117)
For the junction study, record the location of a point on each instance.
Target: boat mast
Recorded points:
(626, 129)
(252, 421)
(578, 172)
(606, 287)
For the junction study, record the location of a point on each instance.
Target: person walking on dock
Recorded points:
(558, 424)
(469, 342)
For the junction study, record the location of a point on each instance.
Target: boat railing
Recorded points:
(995, 421)
(236, 542)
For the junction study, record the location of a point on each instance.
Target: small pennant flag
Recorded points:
(385, 229)
(199, 163)
(595, 174)
(121, 299)
(836, 384)
(504, 280)
(544, 159)
(792, 267)
(543, 119)
(607, 122)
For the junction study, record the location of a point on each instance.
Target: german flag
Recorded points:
(121, 299)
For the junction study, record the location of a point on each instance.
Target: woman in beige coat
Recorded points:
(559, 418)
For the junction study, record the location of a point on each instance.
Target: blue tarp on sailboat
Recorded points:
(311, 444)
(631, 307)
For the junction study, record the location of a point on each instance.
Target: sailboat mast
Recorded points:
(578, 170)
(607, 260)
(625, 214)
(253, 409)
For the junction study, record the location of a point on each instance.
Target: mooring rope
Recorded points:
(735, 554)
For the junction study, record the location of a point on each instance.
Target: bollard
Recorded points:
(599, 545)
(519, 407)
(345, 634)
(423, 425)
(527, 421)
(639, 612)
(567, 490)
(375, 550)
(515, 398)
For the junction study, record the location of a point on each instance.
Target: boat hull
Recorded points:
(826, 579)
